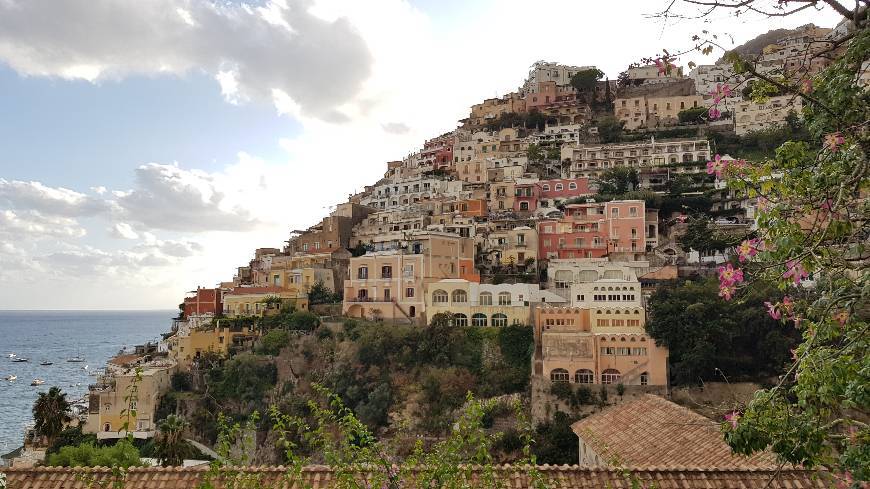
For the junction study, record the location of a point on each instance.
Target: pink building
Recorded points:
(594, 230)
(549, 193)
(438, 152)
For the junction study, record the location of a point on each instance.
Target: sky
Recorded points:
(149, 147)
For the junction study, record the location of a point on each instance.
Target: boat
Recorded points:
(11, 355)
(45, 363)
(11, 378)
(20, 360)
(37, 382)
(76, 359)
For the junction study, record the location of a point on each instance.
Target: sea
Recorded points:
(55, 336)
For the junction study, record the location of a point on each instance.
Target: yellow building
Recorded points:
(251, 301)
(476, 304)
(107, 406)
(185, 348)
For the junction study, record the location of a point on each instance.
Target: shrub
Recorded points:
(516, 343)
(245, 377)
(122, 454)
(71, 437)
(562, 390)
(584, 396)
(620, 389)
(272, 342)
(556, 443)
(181, 381)
(303, 320)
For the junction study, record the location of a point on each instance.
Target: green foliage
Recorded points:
(168, 405)
(609, 129)
(532, 119)
(290, 319)
(51, 413)
(555, 441)
(584, 396)
(171, 449)
(692, 115)
(321, 294)
(617, 180)
(71, 437)
(244, 377)
(700, 236)
(586, 80)
(709, 338)
(122, 454)
(620, 389)
(517, 343)
(272, 342)
(534, 152)
(181, 381)
(562, 390)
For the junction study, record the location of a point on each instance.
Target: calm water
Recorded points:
(56, 336)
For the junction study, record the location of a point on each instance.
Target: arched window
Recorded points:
(559, 375)
(439, 297)
(545, 187)
(499, 319)
(572, 186)
(478, 319)
(504, 298)
(460, 320)
(584, 376)
(107, 427)
(485, 299)
(460, 296)
(644, 378)
(559, 187)
(610, 376)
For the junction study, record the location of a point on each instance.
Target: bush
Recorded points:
(620, 389)
(562, 390)
(516, 343)
(181, 381)
(71, 437)
(303, 320)
(323, 333)
(245, 377)
(272, 342)
(584, 396)
(692, 115)
(556, 443)
(122, 454)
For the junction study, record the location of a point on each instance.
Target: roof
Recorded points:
(653, 432)
(565, 477)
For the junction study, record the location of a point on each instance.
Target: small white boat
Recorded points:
(46, 363)
(20, 360)
(11, 355)
(75, 359)
(85, 368)
(11, 378)
(37, 382)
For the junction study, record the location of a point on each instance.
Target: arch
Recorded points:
(499, 319)
(644, 378)
(440, 297)
(478, 319)
(559, 375)
(459, 296)
(610, 376)
(460, 319)
(107, 427)
(588, 276)
(485, 299)
(356, 311)
(584, 376)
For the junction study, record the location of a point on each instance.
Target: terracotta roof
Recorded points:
(124, 359)
(653, 432)
(315, 477)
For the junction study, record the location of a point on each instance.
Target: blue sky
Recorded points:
(148, 147)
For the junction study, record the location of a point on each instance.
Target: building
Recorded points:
(584, 280)
(751, 116)
(708, 77)
(511, 246)
(203, 301)
(107, 406)
(651, 74)
(493, 108)
(332, 233)
(390, 284)
(572, 349)
(437, 152)
(256, 301)
(476, 304)
(594, 230)
(655, 105)
(651, 431)
(186, 347)
(678, 155)
(543, 71)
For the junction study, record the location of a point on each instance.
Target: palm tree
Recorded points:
(51, 413)
(171, 447)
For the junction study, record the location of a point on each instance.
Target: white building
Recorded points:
(543, 71)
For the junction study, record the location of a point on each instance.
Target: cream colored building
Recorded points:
(185, 347)
(512, 246)
(681, 155)
(107, 409)
(750, 116)
(646, 111)
(476, 304)
(252, 301)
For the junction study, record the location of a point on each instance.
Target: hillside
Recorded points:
(753, 47)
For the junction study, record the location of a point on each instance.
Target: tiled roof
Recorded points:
(653, 432)
(316, 477)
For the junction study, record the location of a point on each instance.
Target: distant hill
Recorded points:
(753, 47)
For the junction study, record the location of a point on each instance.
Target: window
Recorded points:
(499, 319)
(387, 295)
(460, 320)
(362, 294)
(478, 319)
(386, 271)
(623, 351)
(584, 376)
(559, 186)
(439, 297)
(644, 378)
(614, 212)
(362, 273)
(485, 299)
(524, 206)
(460, 296)
(610, 376)
(639, 352)
(409, 292)
(408, 271)
(608, 350)
(545, 187)
(572, 186)
(559, 375)
(504, 298)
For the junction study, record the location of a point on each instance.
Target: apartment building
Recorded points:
(437, 153)
(543, 71)
(202, 301)
(332, 233)
(511, 245)
(493, 108)
(594, 230)
(390, 284)
(476, 304)
(683, 155)
(532, 195)
(253, 301)
(186, 346)
(751, 116)
(655, 105)
(576, 278)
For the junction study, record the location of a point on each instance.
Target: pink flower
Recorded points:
(727, 291)
(788, 304)
(732, 418)
(747, 249)
(795, 271)
(717, 166)
(714, 113)
(663, 65)
(773, 311)
(833, 141)
(728, 275)
(682, 217)
(841, 317)
(828, 204)
(807, 86)
(763, 204)
(720, 92)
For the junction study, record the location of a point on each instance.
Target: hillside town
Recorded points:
(561, 207)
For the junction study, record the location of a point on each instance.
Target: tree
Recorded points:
(813, 221)
(272, 342)
(321, 294)
(619, 180)
(609, 129)
(171, 447)
(708, 337)
(692, 115)
(700, 237)
(534, 152)
(585, 81)
(51, 412)
(556, 441)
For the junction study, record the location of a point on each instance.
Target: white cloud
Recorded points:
(320, 64)
(17, 224)
(56, 201)
(122, 230)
